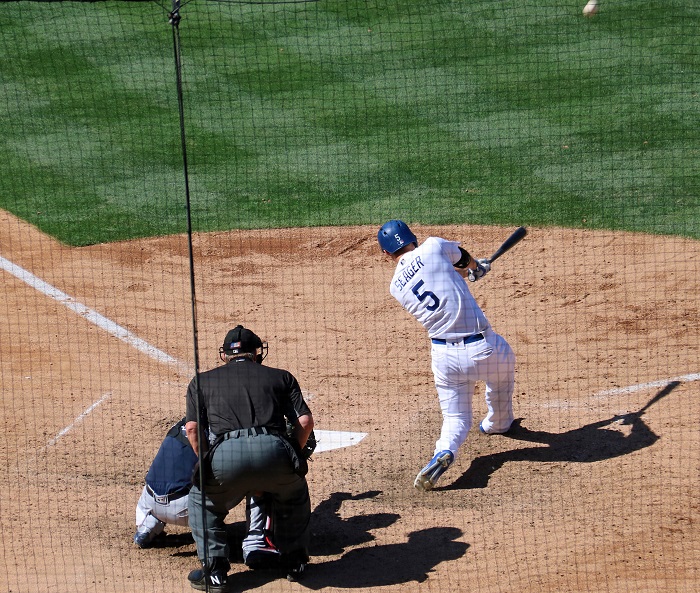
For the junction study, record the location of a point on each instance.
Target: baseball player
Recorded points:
(165, 499)
(429, 283)
(168, 481)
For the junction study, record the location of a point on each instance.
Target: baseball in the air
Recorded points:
(591, 8)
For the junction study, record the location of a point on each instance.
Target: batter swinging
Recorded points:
(429, 284)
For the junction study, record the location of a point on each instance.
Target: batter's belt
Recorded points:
(465, 340)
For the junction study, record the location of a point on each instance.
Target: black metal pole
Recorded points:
(174, 18)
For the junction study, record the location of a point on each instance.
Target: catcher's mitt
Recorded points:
(308, 449)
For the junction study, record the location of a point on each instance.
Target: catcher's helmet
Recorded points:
(394, 235)
(242, 341)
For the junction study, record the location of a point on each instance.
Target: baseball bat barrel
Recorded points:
(514, 238)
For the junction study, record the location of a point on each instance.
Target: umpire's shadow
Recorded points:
(373, 566)
(592, 442)
(389, 564)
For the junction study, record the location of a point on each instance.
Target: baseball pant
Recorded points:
(259, 527)
(152, 516)
(457, 367)
(244, 465)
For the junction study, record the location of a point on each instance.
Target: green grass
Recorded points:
(350, 112)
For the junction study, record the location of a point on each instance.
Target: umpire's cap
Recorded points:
(242, 341)
(239, 340)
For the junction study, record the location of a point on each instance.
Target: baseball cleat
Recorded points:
(142, 539)
(296, 573)
(429, 475)
(481, 429)
(294, 564)
(262, 558)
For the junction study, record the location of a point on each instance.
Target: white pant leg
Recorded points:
(146, 522)
(258, 524)
(455, 379)
(152, 516)
(498, 372)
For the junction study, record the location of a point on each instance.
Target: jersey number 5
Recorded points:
(421, 296)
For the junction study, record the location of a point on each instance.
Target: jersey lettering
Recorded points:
(421, 296)
(408, 273)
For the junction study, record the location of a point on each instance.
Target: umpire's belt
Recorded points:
(168, 498)
(467, 340)
(249, 432)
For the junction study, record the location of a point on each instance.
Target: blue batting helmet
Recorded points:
(394, 235)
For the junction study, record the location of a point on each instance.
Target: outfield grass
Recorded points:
(351, 112)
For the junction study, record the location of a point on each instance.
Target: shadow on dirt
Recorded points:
(332, 534)
(173, 540)
(389, 564)
(592, 442)
(371, 566)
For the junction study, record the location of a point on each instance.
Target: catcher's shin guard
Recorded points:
(429, 475)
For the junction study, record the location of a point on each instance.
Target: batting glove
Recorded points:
(482, 266)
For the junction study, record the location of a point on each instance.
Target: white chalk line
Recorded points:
(327, 439)
(94, 317)
(78, 419)
(563, 404)
(644, 386)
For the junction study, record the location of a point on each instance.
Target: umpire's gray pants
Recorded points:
(242, 466)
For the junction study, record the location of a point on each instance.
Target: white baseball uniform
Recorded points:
(464, 347)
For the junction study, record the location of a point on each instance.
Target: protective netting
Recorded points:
(170, 171)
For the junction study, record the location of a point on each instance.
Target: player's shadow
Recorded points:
(331, 534)
(592, 442)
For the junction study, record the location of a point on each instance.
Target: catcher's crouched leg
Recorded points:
(429, 475)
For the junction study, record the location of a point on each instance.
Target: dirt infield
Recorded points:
(596, 490)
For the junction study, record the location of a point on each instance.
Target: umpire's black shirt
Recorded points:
(243, 394)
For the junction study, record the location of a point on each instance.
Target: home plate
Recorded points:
(327, 440)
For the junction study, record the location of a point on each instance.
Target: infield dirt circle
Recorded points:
(585, 495)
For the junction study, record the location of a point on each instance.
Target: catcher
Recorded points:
(165, 499)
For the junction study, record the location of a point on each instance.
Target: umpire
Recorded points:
(246, 406)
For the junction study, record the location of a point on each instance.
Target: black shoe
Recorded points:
(296, 573)
(262, 559)
(143, 539)
(217, 580)
(295, 564)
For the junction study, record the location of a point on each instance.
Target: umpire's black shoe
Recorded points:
(216, 577)
(296, 573)
(295, 564)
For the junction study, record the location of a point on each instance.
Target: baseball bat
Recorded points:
(514, 238)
